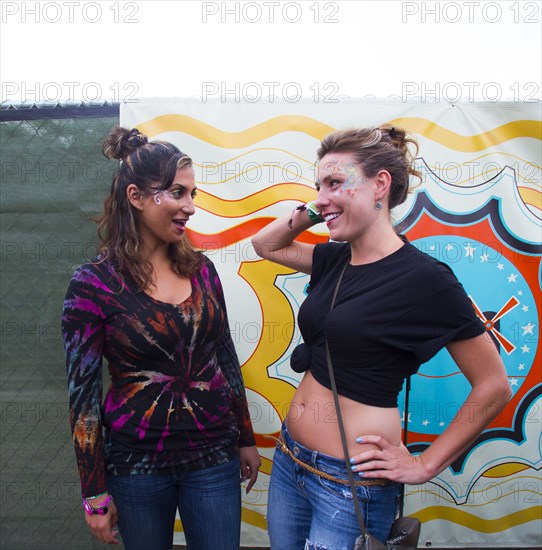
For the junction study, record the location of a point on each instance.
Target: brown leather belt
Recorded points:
(366, 482)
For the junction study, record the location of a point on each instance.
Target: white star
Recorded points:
(525, 348)
(403, 417)
(449, 247)
(426, 422)
(432, 247)
(520, 292)
(484, 258)
(525, 308)
(514, 381)
(512, 278)
(441, 424)
(500, 267)
(528, 328)
(521, 366)
(470, 251)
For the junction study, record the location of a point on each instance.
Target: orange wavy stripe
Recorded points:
(265, 443)
(228, 208)
(242, 231)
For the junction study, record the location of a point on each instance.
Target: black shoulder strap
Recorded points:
(341, 424)
(340, 419)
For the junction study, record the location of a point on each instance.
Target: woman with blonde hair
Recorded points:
(395, 308)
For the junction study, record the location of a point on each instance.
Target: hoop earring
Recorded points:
(378, 205)
(157, 199)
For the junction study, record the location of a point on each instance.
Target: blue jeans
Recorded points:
(306, 511)
(208, 500)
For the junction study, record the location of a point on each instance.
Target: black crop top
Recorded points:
(390, 316)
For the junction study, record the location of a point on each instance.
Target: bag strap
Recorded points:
(341, 424)
(340, 419)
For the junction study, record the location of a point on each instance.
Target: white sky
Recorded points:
(69, 50)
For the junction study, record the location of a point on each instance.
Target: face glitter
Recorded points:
(341, 177)
(176, 194)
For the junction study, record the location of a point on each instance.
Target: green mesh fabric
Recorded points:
(53, 181)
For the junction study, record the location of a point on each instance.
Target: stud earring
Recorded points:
(378, 205)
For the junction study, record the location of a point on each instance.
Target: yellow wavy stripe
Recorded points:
(178, 526)
(248, 205)
(481, 525)
(470, 144)
(532, 197)
(233, 140)
(266, 466)
(505, 470)
(253, 518)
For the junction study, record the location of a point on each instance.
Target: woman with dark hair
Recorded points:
(395, 309)
(174, 431)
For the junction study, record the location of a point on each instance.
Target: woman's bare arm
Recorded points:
(480, 362)
(276, 242)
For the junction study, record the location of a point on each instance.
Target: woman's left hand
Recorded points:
(388, 462)
(250, 462)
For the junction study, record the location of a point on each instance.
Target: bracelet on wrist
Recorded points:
(96, 496)
(313, 213)
(100, 510)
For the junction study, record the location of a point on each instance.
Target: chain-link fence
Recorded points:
(54, 180)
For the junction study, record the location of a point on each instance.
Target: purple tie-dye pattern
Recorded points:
(91, 279)
(87, 305)
(143, 425)
(119, 423)
(89, 331)
(114, 401)
(160, 446)
(176, 399)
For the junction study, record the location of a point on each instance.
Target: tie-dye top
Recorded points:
(176, 401)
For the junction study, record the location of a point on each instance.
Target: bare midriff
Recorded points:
(312, 421)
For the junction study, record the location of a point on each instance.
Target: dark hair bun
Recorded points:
(120, 142)
(397, 135)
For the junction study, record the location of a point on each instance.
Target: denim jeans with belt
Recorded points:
(208, 500)
(307, 511)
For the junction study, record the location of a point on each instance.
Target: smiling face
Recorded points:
(346, 197)
(164, 214)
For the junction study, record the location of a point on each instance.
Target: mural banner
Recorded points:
(478, 208)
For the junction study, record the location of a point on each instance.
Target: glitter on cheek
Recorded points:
(350, 191)
(353, 178)
(352, 181)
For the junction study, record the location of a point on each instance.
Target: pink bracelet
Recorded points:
(100, 510)
(96, 496)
